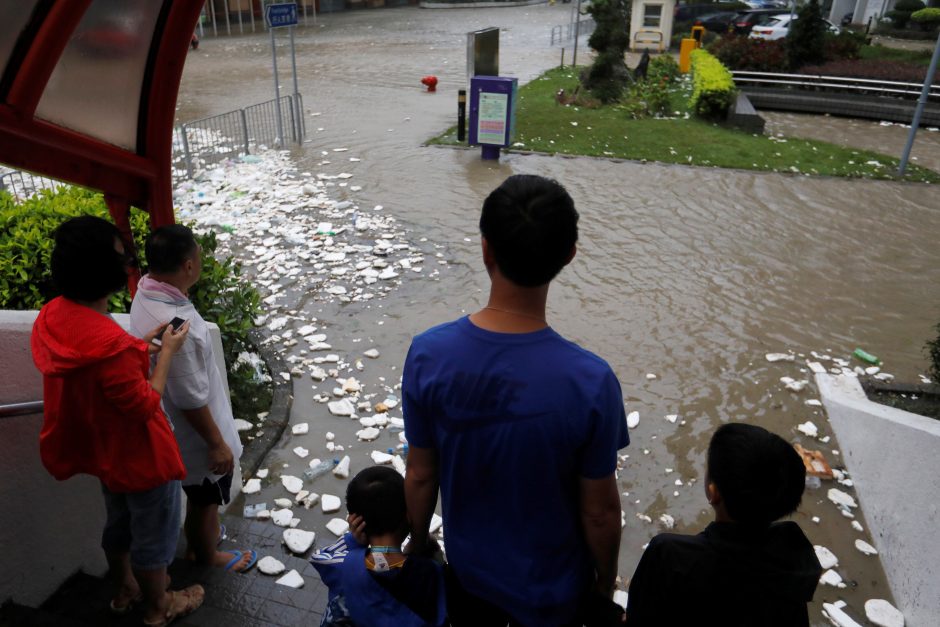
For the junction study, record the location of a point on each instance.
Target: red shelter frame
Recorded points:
(141, 179)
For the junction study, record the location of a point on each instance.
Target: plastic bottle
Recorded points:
(866, 357)
(320, 469)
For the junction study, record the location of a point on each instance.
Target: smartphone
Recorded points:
(176, 323)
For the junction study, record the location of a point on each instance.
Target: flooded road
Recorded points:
(686, 273)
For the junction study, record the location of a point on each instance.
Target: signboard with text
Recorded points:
(492, 110)
(280, 15)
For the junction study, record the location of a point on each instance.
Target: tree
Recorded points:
(901, 14)
(806, 39)
(608, 75)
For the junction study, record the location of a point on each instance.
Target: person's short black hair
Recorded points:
(168, 248)
(378, 495)
(85, 265)
(531, 226)
(759, 475)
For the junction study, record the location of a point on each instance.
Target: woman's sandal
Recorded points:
(182, 602)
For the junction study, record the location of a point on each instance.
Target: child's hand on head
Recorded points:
(357, 527)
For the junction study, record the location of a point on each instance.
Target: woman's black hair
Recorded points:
(531, 226)
(378, 495)
(759, 475)
(85, 265)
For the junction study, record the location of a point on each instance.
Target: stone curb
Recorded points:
(278, 415)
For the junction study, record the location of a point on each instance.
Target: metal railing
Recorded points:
(227, 17)
(22, 185)
(565, 32)
(835, 83)
(20, 409)
(213, 139)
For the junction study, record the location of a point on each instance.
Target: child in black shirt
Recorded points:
(744, 569)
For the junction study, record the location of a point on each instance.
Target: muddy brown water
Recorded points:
(692, 274)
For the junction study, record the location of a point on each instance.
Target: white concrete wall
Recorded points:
(665, 25)
(840, 8)
(48, 529)
(893, 456)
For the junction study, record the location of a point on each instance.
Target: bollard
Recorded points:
(462, 115)
(562, 58)
(490, 153)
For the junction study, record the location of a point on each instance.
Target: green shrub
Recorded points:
(901, 13)
(713, 90)
(756, 55)
(845, 45)
(647, 98)
(933, 352)
(663, 67)
(928, 18)
(26, 242)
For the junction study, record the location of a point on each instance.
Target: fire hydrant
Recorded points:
(430, 82)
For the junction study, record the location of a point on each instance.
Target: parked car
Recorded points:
(778, 27)
(688, 12)
(744, 21)
(716, 22)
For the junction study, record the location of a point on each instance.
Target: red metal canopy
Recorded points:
(88, 94)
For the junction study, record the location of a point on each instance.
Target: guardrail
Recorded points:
(835, 83)
(22, 185)
(213, 139)
(565, 32)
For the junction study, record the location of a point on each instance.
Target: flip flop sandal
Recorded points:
(238, 557)
(182, 603)
(221, 534)
(120, 610)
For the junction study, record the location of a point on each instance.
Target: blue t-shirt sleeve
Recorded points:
(609, 431)
(418, 428)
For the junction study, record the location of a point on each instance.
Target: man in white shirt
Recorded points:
(195, 398)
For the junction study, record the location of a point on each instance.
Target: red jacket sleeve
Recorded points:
(124, 383)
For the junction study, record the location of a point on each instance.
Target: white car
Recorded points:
(778, 26)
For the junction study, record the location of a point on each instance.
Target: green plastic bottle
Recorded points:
(867, 357)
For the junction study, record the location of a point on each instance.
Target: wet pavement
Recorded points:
(691, 274)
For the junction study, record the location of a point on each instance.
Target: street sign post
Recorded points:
(280, 16)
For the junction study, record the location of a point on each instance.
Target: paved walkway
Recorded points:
(232, 600)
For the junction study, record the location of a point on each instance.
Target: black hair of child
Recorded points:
(759, 475)
(85, 265)
(531, 226)
(168, 248)
(378, 495)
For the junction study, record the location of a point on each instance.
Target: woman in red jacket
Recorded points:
(103, 416)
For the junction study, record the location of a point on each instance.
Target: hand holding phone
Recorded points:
(175, 323)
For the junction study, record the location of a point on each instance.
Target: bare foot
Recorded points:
(224, 560)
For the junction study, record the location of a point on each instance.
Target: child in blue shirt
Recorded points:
(371, 582)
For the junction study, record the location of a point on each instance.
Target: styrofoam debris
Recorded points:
(341, 469)
(243, 425)
(300, 428)
(298, 540)
(840, 498)
(633, 419)
(808, 429)
(337, 526)
(301, 452)
(282, 517)
(883, 614)
(270, 566)
(865, 548)
(371, 353)
(252, 486)
(292, 484)
(379, 457)
(368, 434)
(833, 612)
(283, 503)
(827, 558)
(774, 357)
(832, 578)
(330, 503)
(291, 580)
(341, 408)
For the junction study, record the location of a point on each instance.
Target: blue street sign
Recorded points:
(278, 15)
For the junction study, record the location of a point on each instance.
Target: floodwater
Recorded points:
(692, 274)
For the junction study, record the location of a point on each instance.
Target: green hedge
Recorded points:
(929, 18)
(713, 90)
(26, 242)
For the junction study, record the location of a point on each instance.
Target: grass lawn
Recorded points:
(542, 125)
(879, 52)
